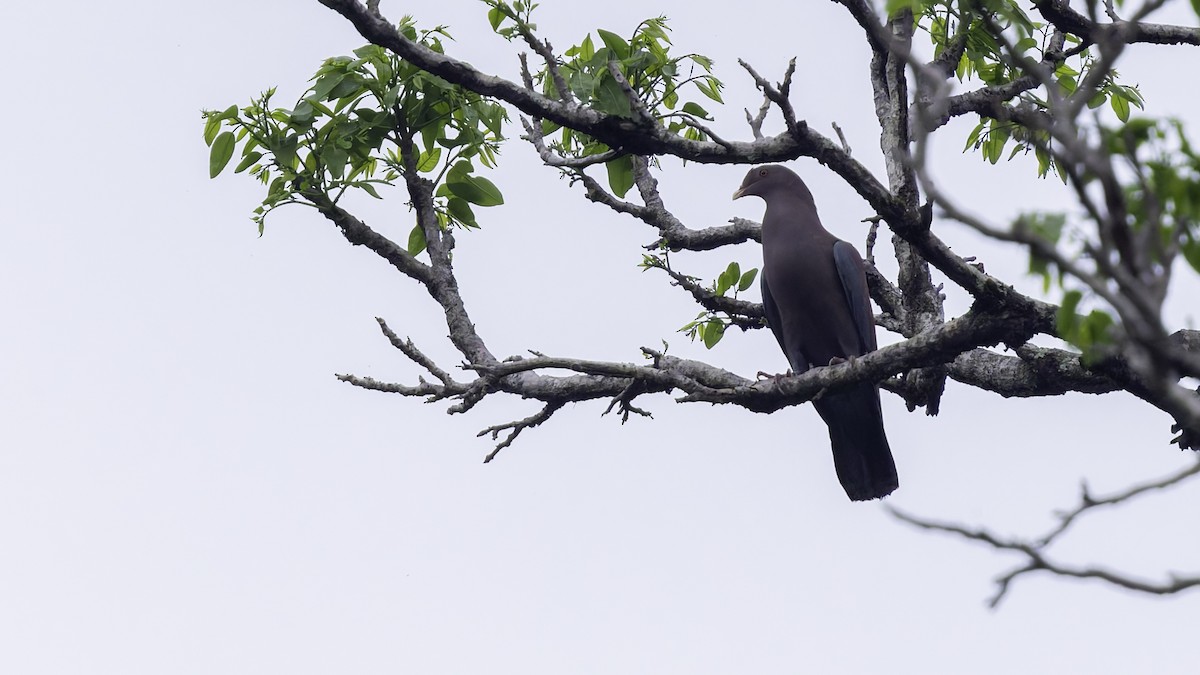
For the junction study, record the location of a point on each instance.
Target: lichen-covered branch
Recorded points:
(1063, 17)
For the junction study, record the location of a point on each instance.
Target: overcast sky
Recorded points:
(186, 488)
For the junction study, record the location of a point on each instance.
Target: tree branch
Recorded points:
(1034, 550)
(913, 305)
(1060, 14)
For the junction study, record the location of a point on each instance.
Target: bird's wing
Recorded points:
(852, 272)
(797, 361)
(771, 309)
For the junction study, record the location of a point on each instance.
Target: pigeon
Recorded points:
(814, 289)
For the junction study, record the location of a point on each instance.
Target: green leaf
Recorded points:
(747, 279)
(723, 283)
(734, 271)
(710, 87)
(475, 189)
(335, 161)
(429, 159)
(893, 7)
(429, 134)
(495, 17)
(416, 240)
(461, 211)
(973, 137)
(1066, 319)
(620, 174)
(729, 278)
(587, 50)
(1120, 106)
(695, 109)
(1043, 160)
(212, 126)
(248, 161)
(1191, 252)
(714, 330)
(326, 84)
(671, 98)
(1041, 267)
(993, 147)
(1132, 95)
(222, 151)
(611, 99)
(615, 43)
(1048, 226)
(277, 189)
(1094, 330)
(370, 189)
(1065, 70)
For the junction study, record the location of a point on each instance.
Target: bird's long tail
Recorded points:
(861, 453)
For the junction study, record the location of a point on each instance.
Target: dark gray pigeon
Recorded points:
(815, 296)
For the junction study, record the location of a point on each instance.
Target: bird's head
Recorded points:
(771, 179)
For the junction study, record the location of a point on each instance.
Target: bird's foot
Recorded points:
(763, 375)
(970, 260)
(836, 360)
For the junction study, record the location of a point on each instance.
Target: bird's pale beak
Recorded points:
(740, 192)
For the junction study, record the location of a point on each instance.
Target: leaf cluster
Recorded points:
(1167, 195)
(1000, 46)
(709, 325)
(655, 82)
(364, 122)
(1163, 208)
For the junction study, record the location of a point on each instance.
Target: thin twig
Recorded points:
(1034, 550)
(516, 427)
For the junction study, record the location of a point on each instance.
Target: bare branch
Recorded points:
(1059, 13)
(623, 402)
(1034, 550)
(415, 355)
(841, 138)
(533, 134)
(544, 50)
(516, 427)
(358, 233)
(433, 391)
(864, 13)
(673, 234)
(756, 121)
(1088, 502)
(778, 96)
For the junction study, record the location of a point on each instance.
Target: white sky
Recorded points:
(185, 487)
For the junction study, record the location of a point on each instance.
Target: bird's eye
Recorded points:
(762, 172)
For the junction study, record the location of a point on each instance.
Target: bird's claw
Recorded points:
(763, 375)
